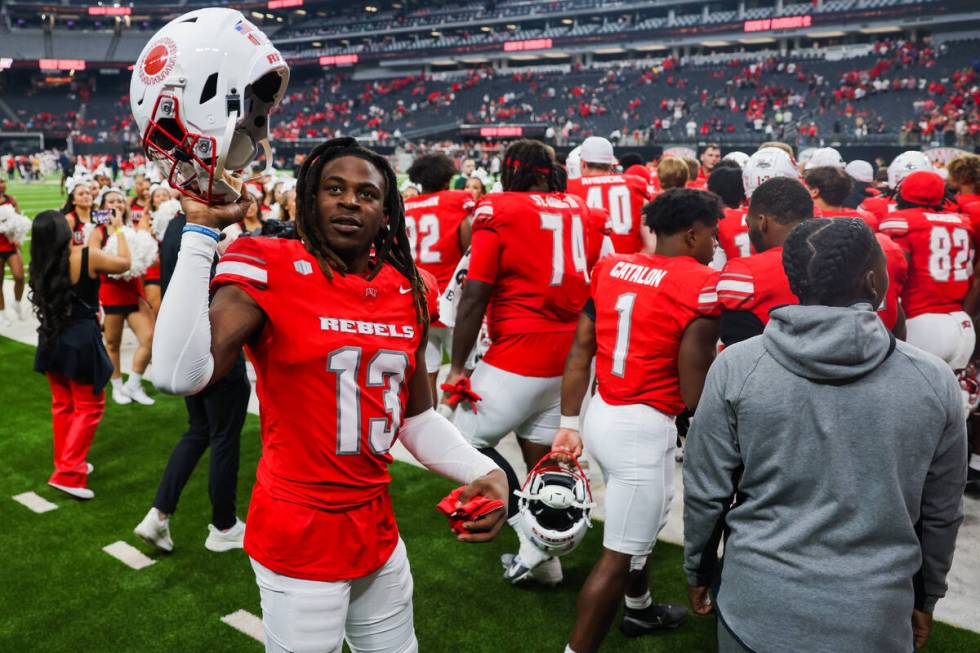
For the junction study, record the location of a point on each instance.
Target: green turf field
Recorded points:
(60, 593)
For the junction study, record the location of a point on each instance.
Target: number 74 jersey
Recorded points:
(940, 248)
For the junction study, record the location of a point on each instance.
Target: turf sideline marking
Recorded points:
(128, 555)
(35, 502)
(245, 622)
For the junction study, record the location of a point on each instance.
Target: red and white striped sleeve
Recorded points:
(245, 263)
(708, 302)
(736, 287)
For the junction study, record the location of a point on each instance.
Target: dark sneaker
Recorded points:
(653, 619)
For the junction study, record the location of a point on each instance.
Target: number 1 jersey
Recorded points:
(333, 362)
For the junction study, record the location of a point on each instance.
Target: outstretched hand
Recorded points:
(491, 486)
(567, 444)
(700, 600)
(216, 217)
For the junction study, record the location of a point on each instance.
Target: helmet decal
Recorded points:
(158, 62)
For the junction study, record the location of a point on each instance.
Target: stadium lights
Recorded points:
(317, 44)
(511, 26)
(651, 47)
(486, 28)
(609, 50)
(270, 16)
(436, 33)
(567, 21)
(300, 12)
(370, 9)
(880, 30)
(258, 15)
(824, 35)
(714, 44)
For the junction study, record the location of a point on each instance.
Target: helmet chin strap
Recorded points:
(219, 168)
(267, 166)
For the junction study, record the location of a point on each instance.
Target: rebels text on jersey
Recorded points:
(940, 249)
(432, 223)
(333, 362)
(622, 197)
(643, 305)
(536, 249)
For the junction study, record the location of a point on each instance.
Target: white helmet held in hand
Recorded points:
(765, 164)
(905, 164)
(201, 94)
(555, 504)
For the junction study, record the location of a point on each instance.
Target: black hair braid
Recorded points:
(391, 245)
(823, 259)
(526, 162)
(50, 280)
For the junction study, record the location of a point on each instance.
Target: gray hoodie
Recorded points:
(849, 442)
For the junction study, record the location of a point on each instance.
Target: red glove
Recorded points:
(472, 510)
(462, 391)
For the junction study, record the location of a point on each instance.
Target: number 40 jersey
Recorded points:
(623, 197)
(940, 248)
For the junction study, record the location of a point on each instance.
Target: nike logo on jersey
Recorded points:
(366, 328)
(640, 274)
(404, 291)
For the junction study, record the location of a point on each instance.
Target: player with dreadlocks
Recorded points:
(335, 324)
(531, 252)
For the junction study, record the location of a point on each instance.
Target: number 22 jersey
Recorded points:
(333, 362)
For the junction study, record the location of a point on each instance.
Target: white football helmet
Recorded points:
(765, 164)
(905, 164)
(555, 504)
(201, 94)
(741, 158)
(573, 163)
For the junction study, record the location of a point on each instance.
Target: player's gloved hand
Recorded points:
(216, 217)
(568, 443)
(459, 389)
(485, 500)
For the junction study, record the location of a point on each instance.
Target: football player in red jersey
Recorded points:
(964, 179)
(335, 326)
(438, 226)
(620, 195)
(10, 257)
(902, 166)
(652, 326)
(733, 234)
(752, 286)
(829, 187)
(530, 257)
(939, 246)
(710, 157)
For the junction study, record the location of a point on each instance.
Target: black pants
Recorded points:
(214, 418)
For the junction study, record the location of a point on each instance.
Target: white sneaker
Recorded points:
(516, 570)
(120, 396)
(19, 310)
(89, 468)
(155, 531)
(138, 394)
(219, 541)
(77, 492)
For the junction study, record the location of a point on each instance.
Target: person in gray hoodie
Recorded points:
(846, 452)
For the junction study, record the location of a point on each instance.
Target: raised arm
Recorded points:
(194, 345)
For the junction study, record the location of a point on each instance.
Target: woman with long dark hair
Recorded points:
(64, 290)
(78, 211)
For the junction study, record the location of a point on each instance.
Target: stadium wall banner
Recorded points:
(772, 24)
(61, 64)
(110, 11)
(530, 44)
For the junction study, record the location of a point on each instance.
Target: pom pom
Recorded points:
(162, 217)
(143, 251)
(13, 225)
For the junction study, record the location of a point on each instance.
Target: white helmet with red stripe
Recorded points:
(201, 94)
(765, 164)
(555, 505)
(905, 164)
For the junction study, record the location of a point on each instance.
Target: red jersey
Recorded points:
(536, 249)
(940, 249)
(333, 361)
(432, 223)
(643, 305)
(879, 206)
(5, 244)
(844, 212)
(623, 197)
(898, 272)
(756, 284)
(733, 234)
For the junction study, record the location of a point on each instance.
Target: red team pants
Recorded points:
(75, 414)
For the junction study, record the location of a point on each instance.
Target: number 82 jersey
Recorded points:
(940, 248)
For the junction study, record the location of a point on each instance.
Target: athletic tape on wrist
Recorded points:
(201, 229)
(568, 422)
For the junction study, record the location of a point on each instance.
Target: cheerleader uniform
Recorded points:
(119, 296)
(78, 369)
(7, 248)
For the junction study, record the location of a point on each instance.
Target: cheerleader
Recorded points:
(10, 257)
(158, 194)
(124, 302)
(78, 211)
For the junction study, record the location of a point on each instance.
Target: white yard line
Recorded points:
(245, 622)
(129, 555)
(35, 502)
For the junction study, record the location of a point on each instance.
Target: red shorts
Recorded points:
(153, 273)
(116, 292)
